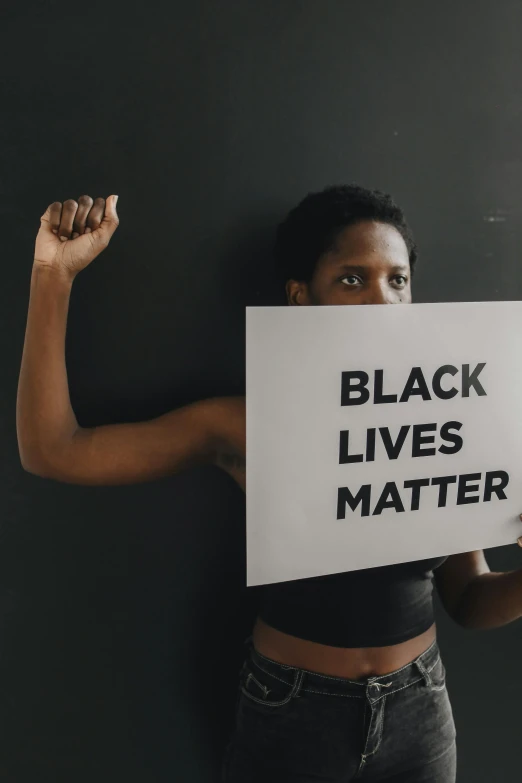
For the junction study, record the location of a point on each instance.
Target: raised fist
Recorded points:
(72, 234)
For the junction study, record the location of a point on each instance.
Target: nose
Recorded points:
(379, 294)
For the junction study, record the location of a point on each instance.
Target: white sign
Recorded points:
(379, 435)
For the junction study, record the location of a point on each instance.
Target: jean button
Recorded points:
(374, 689)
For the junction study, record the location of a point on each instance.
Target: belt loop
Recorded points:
(298, 681)
(425, 673)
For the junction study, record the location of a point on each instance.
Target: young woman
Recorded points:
(344, 678)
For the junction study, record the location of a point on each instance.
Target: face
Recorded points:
(369, 265)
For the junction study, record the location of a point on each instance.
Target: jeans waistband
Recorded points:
(373, 687)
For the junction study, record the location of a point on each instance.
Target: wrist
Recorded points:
(47, 271)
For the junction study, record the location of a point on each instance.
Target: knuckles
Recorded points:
(84, 200)
(94, 221)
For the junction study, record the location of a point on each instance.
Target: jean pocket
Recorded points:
(267, 689)
(437, 675)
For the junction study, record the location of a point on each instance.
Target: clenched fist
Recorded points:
(72, 234)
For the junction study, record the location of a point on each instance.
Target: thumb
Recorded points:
(45, 219)
(110, 221)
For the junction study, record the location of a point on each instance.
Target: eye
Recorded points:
(400, 280)
(352, 280)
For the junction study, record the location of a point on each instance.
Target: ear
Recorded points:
(297, 292)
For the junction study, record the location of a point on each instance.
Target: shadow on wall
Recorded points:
(248, 278)
(190, 616)
(183, 671)
(213, 649)
(249, 275)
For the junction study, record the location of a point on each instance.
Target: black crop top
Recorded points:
(372, 607)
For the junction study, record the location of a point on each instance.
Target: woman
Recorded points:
(344, 678)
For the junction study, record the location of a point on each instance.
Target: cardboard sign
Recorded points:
(379, 435)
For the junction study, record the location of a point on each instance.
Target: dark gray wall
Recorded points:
(122, 608)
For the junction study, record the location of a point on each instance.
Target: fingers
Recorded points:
(80, 219)
(73, 218)
(67, 218)
(55, 215)
(95, 216)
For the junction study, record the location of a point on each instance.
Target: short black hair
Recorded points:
(311, 228)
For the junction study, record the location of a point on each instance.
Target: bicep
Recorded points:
(455, 574)
(116, 454)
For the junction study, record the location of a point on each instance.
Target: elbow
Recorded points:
(469, 614)
(464, 613)
(478, 624)
(35, 463)
(466, 620)
(458, 616)
(36, 467)
(56, 464)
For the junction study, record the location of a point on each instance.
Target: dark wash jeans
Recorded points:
(296, 726)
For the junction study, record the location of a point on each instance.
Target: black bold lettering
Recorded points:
(465, 487)
(498, 489)
(348, 389)
(445, 434)
(415, 486)
(370, 444)
(344, 497)
(418, 439)
(437, 388)
(415, 385)
(378, 396)
(442, 482)
(344, 457)
(394, 449)
(472, 380)
(390, 491)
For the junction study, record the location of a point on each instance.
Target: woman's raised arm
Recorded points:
(51, 443)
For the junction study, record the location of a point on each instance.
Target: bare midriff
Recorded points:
(350, 662)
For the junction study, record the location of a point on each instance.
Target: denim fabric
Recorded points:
(297, 726)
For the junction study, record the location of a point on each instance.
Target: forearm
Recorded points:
(44, 415)
(491, 600)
